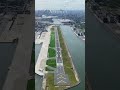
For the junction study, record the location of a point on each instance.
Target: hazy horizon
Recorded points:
(59, 10)
(59, 4)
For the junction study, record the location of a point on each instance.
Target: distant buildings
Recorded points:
(42, 22)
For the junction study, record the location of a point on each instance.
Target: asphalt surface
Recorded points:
(60, 77)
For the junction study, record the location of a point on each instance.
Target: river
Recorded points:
(38, 79)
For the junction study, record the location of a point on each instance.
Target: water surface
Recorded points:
(38, 79)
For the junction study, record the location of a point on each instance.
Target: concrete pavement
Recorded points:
(41, 61)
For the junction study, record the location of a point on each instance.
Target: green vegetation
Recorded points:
(50, 82)
(52, 52)
(48, 69)
(31, 84)
(51, 62)
(52, 39)
(66, 60)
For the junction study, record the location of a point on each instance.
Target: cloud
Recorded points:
(59, 4)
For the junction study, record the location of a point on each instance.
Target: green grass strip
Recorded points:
(66, 60)
(52, 52)
(51, 62)
(52, 39)
(50, 82)
(48, 69)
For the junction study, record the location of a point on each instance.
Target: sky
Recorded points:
(60, 4)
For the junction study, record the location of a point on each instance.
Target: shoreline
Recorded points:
(81, 37)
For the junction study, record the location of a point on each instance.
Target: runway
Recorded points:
(60, 78)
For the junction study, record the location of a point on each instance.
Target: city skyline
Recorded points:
(59, 4)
